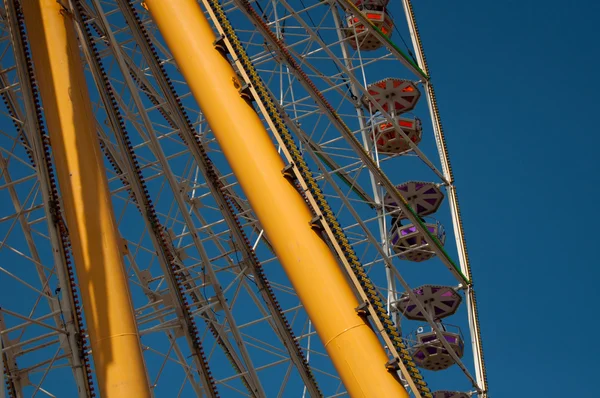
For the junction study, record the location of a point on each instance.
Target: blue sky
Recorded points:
(517, 89)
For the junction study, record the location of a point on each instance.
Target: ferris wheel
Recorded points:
(228, 198)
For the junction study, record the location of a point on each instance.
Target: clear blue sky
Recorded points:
(517, 87)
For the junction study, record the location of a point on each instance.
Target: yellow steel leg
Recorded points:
(311, 267)
(115, 342)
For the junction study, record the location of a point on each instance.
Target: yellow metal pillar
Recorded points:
(115, 342)
(311, 267)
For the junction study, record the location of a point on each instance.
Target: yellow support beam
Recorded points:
(115, 342)
(311, 267)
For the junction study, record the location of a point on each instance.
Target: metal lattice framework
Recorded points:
(186, 227)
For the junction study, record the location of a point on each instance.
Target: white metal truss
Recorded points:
(248, 316)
